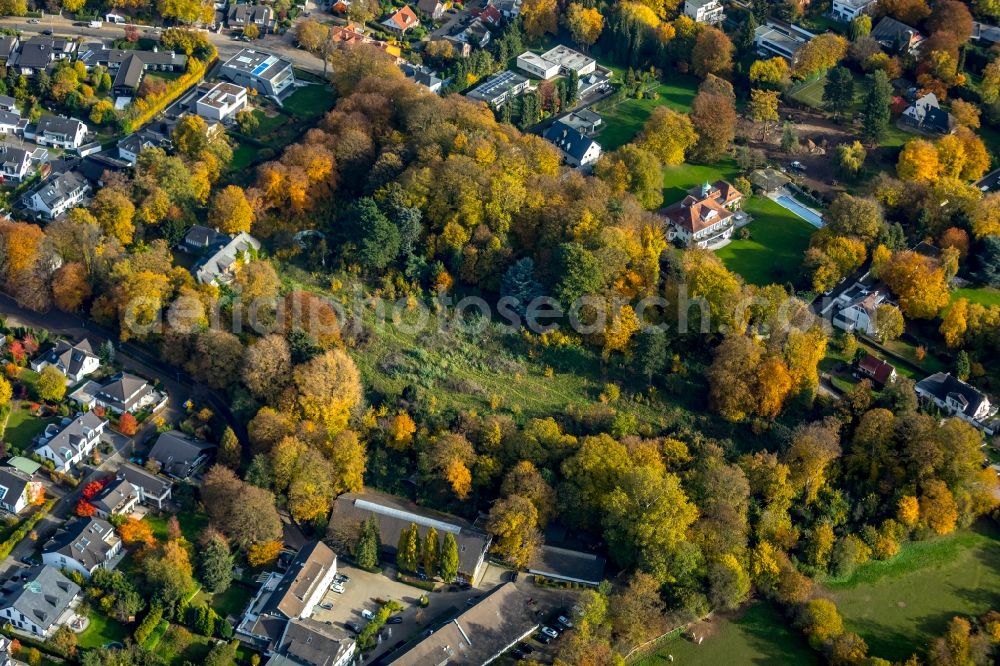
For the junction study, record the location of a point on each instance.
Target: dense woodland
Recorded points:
(418, 195)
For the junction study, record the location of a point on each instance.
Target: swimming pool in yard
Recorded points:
(806, 214)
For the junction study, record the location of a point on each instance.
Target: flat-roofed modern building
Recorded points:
(222, 102)
(570, 60)
(537, 66)
(264, 72)
(499, 88)
(781, 39)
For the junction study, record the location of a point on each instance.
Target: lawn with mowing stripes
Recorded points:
(899, 605)
(774, 252)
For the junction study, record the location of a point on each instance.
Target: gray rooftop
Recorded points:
(179, 454)
(43, 596)
(86, 540)
(69, 437)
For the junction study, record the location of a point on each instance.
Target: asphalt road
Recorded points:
(281, 45)
(178, 385)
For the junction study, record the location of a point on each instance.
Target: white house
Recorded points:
(858, 306)
(70, 441)
(40, 603)
(959, 399)
(289, 597)
(118, 498)
(266, 73)
(15, 164)
(848, 10)
(537, 66)
(75, 361)
(222, 102)
(706, 216)
(578, 149)
(57, 194)
(60, 131)
(153, 490)
(704, 11)
(17, 490)
(84, 545)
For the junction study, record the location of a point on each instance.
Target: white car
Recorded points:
(565, 621)
(367, 614)
(550, 632)
(338, 588)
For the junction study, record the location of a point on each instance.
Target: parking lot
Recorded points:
(362, 591)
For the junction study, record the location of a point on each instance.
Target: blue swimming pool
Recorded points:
(800, 210)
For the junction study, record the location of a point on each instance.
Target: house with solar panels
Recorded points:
(394, 514)
(264, 72)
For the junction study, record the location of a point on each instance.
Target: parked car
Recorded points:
(342, 578)
(550, 632)
(542, 638)
(395, 619)
(338, 588)
(518, 653)
(353, 626)
(34, 21)
(367, 614)
(565, 621)
(326, 606)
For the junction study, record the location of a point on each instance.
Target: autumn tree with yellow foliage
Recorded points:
(668, 135)
(584, 23)
(918, 283)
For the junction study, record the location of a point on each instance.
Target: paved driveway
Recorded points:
(364, 588)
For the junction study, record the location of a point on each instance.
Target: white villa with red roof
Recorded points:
(706, 216)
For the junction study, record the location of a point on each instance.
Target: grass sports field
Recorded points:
(757, 635)
(899, 605)
(776, 247)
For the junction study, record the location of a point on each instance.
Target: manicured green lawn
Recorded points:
(233, 601)
(623, 119)
(101, 631)
(191, 525)
(244, 155)
(981, 295)
(775, 249)
(268, 124)
(899, 605)
(677, 180)
(759, 635)
(22, 428)
(310, 102)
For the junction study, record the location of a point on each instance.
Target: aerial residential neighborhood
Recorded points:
(502, 332)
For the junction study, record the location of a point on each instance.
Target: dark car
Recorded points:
(46, 32)
(353, 626)
(542, 638)
(519, 653)
(395, 619)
